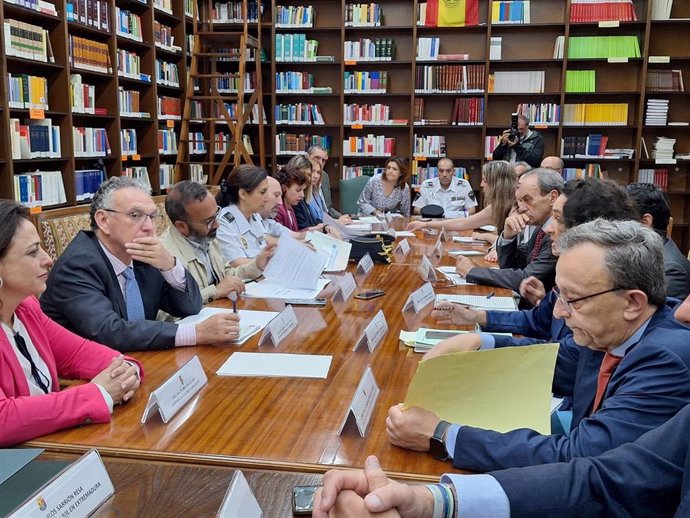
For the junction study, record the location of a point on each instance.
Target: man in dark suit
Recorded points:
(655, 213)
(611, 296)
(111, 281)
(537, 191)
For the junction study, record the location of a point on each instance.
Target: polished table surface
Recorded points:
(287, 424)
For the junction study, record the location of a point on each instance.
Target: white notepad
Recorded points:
(481, 301)
(275, 365)
(466, 253)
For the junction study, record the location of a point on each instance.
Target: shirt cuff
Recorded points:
(479, 496)
(451, 439)
(185, 335)
(108, 399)
(176, 277)
(503, 241)
(136, 368)
(488, 341)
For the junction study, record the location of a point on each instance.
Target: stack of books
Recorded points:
(662, 80)
(657, 112)
(663, 149)
(661, 9)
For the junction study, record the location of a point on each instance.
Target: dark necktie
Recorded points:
(36, 374)
(537, 244)
(133, 301)
(608, 365)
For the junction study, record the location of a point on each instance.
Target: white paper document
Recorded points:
(466, 253)
(294, 265)
(488, 228)
(251, 322)
(404, 233)
(337, 252)
(273, 365)
(481, 301)
(456, 278)
(271, 290)
(372, 220)
(469, 241)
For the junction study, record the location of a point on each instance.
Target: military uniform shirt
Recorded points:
(458, 198)
(238, 237)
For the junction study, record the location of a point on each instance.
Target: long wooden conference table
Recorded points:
(286, 424)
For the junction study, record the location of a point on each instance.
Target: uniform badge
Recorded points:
(470, 195)
(243, 242)
(228, 217)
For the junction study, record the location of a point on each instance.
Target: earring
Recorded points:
(1, 282)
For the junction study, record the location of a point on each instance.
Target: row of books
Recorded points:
(429, 146)
(350, 172)
(163, 37)
(375, 82)
(139, 174)
(166, 73)
(232, 111)
(169, 107)
(27, 91)
(595, 47)
(449, 78)
(196, 109)
(129, 65)
(294, 16)
(196, 144)
(589, 171)
(365, 49)
(661, 9)
(663, 80)
(231, 83)
(370, 115)
(490, 144)
(87, 182)
(541, 114)
(295, 47)
(27, 41)
(129, 102)
(231, 12)
(420, 174)
(128, 24)
(580, 81)
(293, 144)
(595, 114)
(428, 48)
(163, 5)
(166, 175)
(294, 81)
(82, 95)
(517, 82)
(128, 141)
(35, 5)
(510, 11)
(369, 145)
(580, 146)
(363, 15)
(92, 13)
(34, 139)
(658, 177)
(495, 48)
(602, 10)
(466, 111)
(39, 188)
(167, 141)
(89, 55)
(90, 142)
(299, 113)
(223, 140)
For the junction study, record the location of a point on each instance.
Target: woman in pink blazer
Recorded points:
(35, 351)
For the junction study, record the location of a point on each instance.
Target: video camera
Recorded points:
(514, 133)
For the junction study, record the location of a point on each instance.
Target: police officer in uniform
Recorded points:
(454, 195)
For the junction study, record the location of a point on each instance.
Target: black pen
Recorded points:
(490, 295)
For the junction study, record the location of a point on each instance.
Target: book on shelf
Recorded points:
(541, 114)
(559, 47)
(657, 112)
(167, 141)
(82, 95)
(196, 144)
(87, 181)
(491, 142)
(169, 108)
(27, 91)
(593, 11)
(374, 82)
(231, 83)
(231, 12)
(363, 15)
(35, 5)
(167, 74)
(89, 55)
(429, 146)
(663, 80)
(296, 82)
(90, 142)
(370, 115)
(365, 49)
(353, 171)
(663, 148)
(603, 47)
(593, 114)
(128, 25)
(589, 171)
(165, 6)
(295, 48)
(294, 16)
(296, 143)
(196, 173)
(435, 13)
(369, 145)
(298, 113)
(39, 188)
(222, 141)
(139, 174)
(163, 37)
(661, 9)
(658, 177)
(166, 174)
(510, 11)
(128, 142)
(428, 48)
(517, 82)
(449, 78)
(92, 13)
(35, 138)
(580, 146)
(580, 81)
(232, 111)
(467, 111)
(27, 41)
(495, 48)
(129, 66)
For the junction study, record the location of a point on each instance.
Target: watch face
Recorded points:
(437, 449)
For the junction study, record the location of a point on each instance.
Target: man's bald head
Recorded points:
(275, 199)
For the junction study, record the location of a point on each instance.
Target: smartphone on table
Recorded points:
(371, 294)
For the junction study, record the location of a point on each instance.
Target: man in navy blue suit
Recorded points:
(611, 293)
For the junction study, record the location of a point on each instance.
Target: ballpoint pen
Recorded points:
(490, 295)
(233, 297)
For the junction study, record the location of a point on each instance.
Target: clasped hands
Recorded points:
(120, 379)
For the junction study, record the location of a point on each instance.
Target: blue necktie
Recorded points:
(135, 306)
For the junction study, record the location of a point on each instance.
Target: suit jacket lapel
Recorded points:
(116, 296)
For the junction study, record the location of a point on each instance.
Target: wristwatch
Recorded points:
(437, 446)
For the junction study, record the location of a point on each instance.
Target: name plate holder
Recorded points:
(173, 394)
(346, 287)
(278, 328)
(437, 252)
(420, 298)
(443, 236)
(403, 248)
(365, 265)
(76, 492)
(362, 406)
(374, 332)
(426, 270)
(239, 500)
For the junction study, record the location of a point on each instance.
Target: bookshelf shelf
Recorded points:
(38, 17)
(16, 60)
(85, 30)
(123, 42)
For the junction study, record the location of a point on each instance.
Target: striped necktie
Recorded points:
(135, 305)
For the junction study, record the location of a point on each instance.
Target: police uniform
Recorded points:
(458, 198)
(238, 237)
(273, 228)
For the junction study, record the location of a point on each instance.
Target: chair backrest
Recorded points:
(349, 193)
(57, 227)
(669, 228)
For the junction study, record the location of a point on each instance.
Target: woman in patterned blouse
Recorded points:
(387, 192)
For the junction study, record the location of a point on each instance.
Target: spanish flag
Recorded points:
(452, 13)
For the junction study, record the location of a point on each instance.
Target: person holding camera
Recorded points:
(519, 143)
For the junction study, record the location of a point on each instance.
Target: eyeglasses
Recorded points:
(208, 221)
(138, 217)
(568, 304)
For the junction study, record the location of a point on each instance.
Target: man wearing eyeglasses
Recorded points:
(611, 295)
(111, 281)
(191, 238)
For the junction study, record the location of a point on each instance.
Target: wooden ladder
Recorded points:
(213, 44)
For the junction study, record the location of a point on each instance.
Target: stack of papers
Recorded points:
(425, 339)
(481, 301)
(251, 322)
(456, 278)
(337, 252)
(274, 365)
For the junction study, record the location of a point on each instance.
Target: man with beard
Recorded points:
(191, 236)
